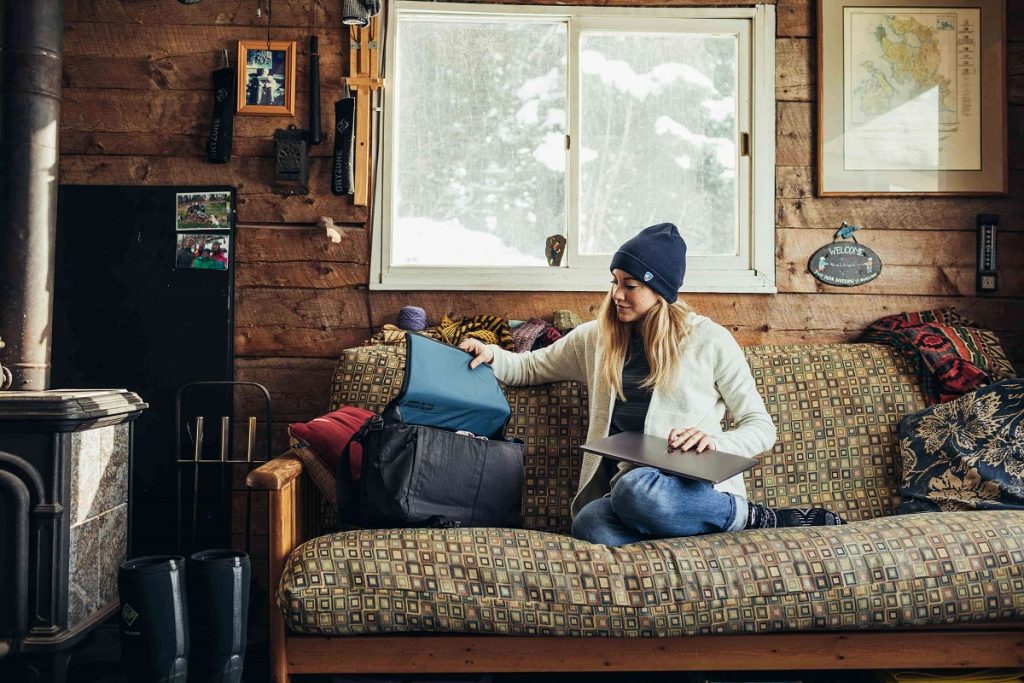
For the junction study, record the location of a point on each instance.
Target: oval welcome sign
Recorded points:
(845, 264)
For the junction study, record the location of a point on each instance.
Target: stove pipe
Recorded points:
(30, 54)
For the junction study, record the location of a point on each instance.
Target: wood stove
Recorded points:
(65, 472)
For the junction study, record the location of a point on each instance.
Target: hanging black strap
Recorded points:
(218, 147)
(345, 486)
(344, 122)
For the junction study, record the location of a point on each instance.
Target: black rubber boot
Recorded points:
(219, 605)
(154, 619)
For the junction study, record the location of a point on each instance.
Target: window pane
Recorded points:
(658, 128)
(480, 155)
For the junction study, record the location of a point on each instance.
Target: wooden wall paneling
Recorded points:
(181, 145)
(253, 176)
(796, 18)
(794, 181)
(792, 312)
(1015, 139)
(273, 208)
(267, 243)
(308, 274)
(167, 111)
(915, 262)
(301, 13)
(1015, 20)
(1013, 342)
(299, 322)
(145, 116)
(898, 213)
(385, 305)
(796, 76)
(179, 57)
(1015, 73)
(795, 128)
(190, 144)
(302, 257)
(299, 387)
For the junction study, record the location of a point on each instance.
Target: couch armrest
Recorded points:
(275, 474)
(289, 516)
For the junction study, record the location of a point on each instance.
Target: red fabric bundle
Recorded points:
(954, 355)
(320, 443)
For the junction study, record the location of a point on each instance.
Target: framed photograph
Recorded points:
(912, 97)
(201, 251)
(266, 77)
(202, 211)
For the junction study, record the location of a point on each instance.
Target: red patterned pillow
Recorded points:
(321, 442)
(953, 353)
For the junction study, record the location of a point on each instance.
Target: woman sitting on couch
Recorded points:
(652, 365)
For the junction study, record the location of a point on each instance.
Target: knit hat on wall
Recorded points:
(656, 257)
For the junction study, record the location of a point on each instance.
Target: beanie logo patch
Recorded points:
(648, 276)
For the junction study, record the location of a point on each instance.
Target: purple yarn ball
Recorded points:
(412, 318)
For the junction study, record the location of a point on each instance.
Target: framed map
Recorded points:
(911, 97)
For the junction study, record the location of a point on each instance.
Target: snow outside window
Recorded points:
(506, 126)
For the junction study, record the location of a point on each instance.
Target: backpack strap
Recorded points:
(345, 486)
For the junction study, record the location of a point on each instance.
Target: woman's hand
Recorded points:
(481, 352)
(690, 437)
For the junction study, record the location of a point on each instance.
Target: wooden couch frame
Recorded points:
(960, 646)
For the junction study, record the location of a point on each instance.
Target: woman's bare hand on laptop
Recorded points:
(690, 437)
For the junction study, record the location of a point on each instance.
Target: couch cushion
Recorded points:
(368, 376)
(911, 570)
(837, 408)
(967, 454)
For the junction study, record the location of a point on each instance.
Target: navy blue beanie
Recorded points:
(656, 257)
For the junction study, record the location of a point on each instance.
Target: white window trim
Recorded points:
(759, 278)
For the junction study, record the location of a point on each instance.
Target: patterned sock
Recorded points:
(763, 517)
(760, 517)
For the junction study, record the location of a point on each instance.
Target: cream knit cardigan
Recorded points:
(713, 376)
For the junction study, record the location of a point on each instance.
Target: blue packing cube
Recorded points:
(441, 391)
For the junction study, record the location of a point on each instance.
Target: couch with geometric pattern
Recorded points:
(940, 589)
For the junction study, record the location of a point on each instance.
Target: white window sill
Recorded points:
(559, 280)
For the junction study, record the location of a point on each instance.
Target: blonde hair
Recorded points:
(664, 329)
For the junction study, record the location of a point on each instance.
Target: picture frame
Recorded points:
(202, 251)
(202, 211)
(266, 77)
(912, 97)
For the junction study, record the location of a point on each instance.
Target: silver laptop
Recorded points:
(652, 451)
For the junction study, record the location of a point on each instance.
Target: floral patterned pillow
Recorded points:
(967, 454)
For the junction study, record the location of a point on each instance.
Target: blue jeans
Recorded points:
(645, 504)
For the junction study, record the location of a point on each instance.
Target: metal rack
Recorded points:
(197, 462)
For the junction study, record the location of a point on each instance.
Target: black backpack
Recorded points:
(438, 455)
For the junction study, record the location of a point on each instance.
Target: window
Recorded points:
(507, 125)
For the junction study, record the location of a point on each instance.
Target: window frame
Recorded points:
(756, 273)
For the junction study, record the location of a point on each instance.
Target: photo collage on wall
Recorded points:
(202, 225)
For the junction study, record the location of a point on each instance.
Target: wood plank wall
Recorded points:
(137, 106)
(136, 109)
